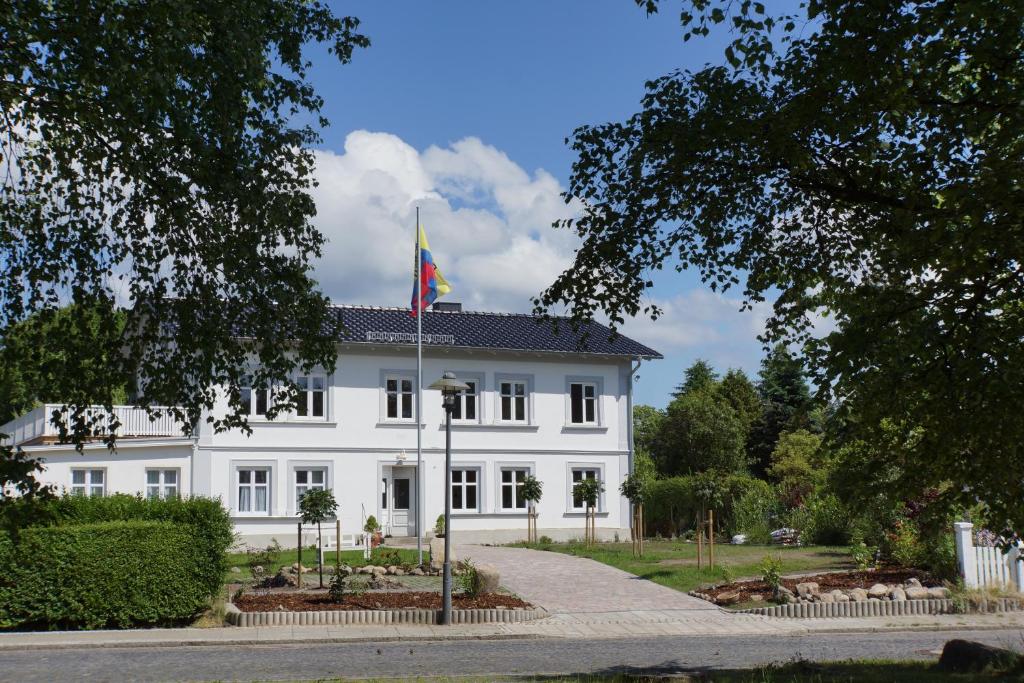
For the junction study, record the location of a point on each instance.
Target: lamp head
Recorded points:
(449, 385)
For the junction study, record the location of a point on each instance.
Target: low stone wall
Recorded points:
(874, 608)
(236, 617)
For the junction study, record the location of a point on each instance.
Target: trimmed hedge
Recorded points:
(673, 504)
(106, 575)
(205, 519)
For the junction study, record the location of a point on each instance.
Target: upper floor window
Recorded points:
(399, 397)
(513, 394)
(253, 489)
(311, 398)
(309, 479)
(582, 403)
(255, 400)
(467, 403)
(162, 483)
(88, 482)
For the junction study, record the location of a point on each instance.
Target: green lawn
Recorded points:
(674, 563)
(353, 558)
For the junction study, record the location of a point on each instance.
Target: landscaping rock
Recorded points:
(488, 577)
(807, 589)
(912, 582)
(840, 596)
(728, 598)
(917, 593)
(282, 579)
(417, 572)
(938, 593)
(378, 571)
(756, 597)
(344, 570)
(965, 656)
(236, 570)
(390, 569)
(303, 569)
(437, 553)
(879, 590)
(399, 571)
(858, 595)
(898, 595)
(826, 598)
(783, 595)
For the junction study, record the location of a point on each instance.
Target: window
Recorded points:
(254, 401)
(309, 479)
(87, 482)
(399, 398)
(310, 401)
(161, 483)
(465, 487)
(513, 401)
(512, 488)
(253, 490)
(467, 402)
(578, 475)
(384, 494)
(583, 403)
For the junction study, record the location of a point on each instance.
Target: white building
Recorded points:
(555, 404)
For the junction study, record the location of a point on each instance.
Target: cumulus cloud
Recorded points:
(488, 220)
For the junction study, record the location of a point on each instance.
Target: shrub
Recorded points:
(771, 570)
(385, 557)
(756, 513)
(262, 560)
(205, 520)
(439, 526)
(904, 545)
(545, 540)
(469, 578)
(821, 520)
(336, 589)
(371, 525)
(111, 574)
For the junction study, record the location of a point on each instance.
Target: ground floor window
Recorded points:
(578, 475)
(253, 489)
(512, 479)
(309, 479)
(161, 483)
(465, 489)
(88, 482)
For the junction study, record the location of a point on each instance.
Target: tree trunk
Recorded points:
(320, 555)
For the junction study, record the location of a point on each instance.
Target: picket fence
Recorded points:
(984, 567)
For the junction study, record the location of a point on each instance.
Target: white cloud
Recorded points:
(488, 220)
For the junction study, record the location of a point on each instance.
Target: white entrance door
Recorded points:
(403, 502)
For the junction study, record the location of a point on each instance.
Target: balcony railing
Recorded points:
(37, 426)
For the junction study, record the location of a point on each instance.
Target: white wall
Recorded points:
(125, 469)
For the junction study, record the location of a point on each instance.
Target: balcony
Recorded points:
(36, 426)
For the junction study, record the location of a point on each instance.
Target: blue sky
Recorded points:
(462, 108)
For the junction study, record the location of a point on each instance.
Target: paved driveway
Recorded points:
(566, 584)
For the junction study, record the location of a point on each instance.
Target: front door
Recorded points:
(403, 502)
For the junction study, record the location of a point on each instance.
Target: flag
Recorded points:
(433, 283)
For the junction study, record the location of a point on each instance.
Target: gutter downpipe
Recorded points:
(629, 423)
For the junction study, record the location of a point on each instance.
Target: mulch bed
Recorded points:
(315, 602)
(826, 582)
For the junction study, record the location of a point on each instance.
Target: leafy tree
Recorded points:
(860, 159)
(786, 401)
(737, 389)
(797, 465)
(646, 423)
(315, 506)
(700, 432)
(699, 376)
(644, 465)
(159, 155)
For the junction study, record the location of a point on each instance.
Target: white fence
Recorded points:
(984, 567)
(134, 422)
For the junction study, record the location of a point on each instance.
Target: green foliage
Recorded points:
(673, 504)
(771, 570)
(262, 560)
(646, 424)
(634, 489)
(532, 489)
(802, 169)
(588, 490)
(468, 578)
(178, 176)
(757, 512)
(439, 525)
(106, 575)
(317, 505)
(336, 589)
(861, 553)
(698, 377)
(797, 466)
(643, 465)
(205, 520)
(544, 540)
(822, 519)
(371, 525)
(385, 557)
(905, 547)
(700, 432)
(741, 394)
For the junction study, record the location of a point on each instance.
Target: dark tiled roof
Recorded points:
(468, 329)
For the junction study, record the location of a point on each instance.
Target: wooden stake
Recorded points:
(711, 539)
(337, 544)
(299, 546)
(700, 543)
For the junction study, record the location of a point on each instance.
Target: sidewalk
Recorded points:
(592, 625)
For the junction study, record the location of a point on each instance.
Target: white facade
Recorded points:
(368, 455)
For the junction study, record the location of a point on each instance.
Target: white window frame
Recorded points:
(478, 396)
(502, 485)
(464, 485)
(252, 485)
(89, 487)
(598, 387)
(309, 471)
(251, 395)
(306, 398)
(161, 485)
(398, 376)
(584, 467)
(499, 395)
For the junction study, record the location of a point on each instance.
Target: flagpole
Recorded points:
(419, 390)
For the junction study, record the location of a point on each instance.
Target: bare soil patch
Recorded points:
(295, 601)
(826, 582)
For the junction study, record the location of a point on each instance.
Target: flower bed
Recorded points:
(307, 601)
(739, 592)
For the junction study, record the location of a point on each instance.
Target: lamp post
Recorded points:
(449, 388)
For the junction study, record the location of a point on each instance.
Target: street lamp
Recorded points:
(449, 388)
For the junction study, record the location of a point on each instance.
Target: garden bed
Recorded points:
(750, 591)
(307, 601)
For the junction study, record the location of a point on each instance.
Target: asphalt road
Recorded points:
(668, 654)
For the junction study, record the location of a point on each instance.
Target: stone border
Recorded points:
(366, 617)
(875, 608)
